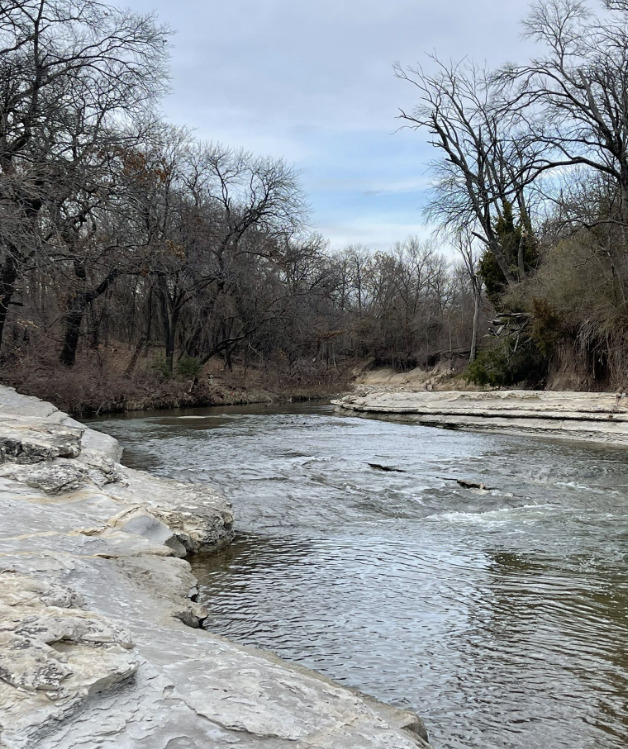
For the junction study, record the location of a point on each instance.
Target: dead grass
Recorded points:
(98, 383)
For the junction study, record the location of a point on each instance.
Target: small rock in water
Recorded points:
(468, 484)
(390, 469)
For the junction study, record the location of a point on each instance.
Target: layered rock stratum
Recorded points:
(100, 644)
(591, 417)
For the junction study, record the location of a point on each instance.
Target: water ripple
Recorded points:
(500, 617)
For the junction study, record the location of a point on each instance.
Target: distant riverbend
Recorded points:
(498, 615)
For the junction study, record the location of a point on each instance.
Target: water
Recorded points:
(500, 617)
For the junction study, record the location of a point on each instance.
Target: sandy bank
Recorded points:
(99, 638)
(597, 417)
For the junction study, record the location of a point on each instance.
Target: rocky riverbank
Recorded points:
(100, 643)
(596, 417)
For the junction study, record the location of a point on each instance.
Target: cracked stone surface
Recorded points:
(100, 645)
(592, 417)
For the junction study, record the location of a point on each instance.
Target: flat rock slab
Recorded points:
(596, 417)
(100, 644)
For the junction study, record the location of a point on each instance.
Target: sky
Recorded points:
(312, 82)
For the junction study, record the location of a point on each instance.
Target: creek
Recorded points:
(500, 617)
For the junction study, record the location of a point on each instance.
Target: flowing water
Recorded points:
(500, 617)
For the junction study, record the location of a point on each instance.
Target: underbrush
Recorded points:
(100, 384)
(509, 363)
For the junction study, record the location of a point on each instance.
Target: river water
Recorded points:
(500, 617)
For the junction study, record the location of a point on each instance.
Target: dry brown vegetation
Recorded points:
(136, 261)
(98, 383)
(142, 268)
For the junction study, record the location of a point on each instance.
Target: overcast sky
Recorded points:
(311, 81)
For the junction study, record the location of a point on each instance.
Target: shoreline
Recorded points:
(100, 636)
(573, 415)
(88, 390)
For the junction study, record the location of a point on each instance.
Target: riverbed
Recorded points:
(498, 616)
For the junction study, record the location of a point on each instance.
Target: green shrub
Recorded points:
(509, 363)
(514, 234)
(161, 369)
(188, 366)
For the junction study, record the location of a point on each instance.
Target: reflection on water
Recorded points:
(500, 617)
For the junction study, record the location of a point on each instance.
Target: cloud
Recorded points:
(399, 186)
(373, 233)
(313, 83)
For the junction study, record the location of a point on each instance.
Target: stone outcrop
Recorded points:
(597, 417)
(100, 643)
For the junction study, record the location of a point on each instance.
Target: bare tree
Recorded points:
(487, 161)
(67, 68)
(579, 86)
(470, 259)
(215, 218)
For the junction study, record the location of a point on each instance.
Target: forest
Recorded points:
(137, 260)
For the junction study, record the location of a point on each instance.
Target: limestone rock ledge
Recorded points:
(99, 638)
(591, 417)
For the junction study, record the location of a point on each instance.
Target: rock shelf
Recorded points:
(100, 644)
(596, 417)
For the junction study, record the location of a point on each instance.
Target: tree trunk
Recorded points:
(8, 277)
(525, 230)
(496, 249)
(130, 368)
(521, 258)
(477, 294)
(228, 360)
(144, 340)
(169, 346)
(73, 321)
(624, 194)
(76, 309)
(168, 323)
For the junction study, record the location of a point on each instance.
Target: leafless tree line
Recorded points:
(118, 229)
